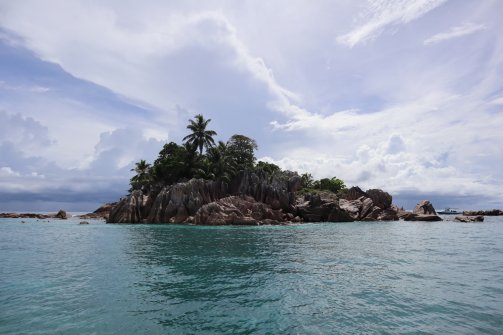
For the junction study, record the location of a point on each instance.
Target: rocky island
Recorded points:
(206, 183)
(226, 186)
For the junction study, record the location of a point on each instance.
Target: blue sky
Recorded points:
(401, 95)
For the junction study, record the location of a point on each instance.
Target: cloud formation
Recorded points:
(80, 105)
(379, 14)
(455, 32)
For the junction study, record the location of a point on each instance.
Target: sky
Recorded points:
(402, 95)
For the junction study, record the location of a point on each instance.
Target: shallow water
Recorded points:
(59, 277)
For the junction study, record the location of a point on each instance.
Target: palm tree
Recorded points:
(142, 177)
(221, 164)
(141, 167)
(200, 137)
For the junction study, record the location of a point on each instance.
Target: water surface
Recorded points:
(59, 277)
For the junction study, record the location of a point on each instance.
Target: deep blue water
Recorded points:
(59, 277)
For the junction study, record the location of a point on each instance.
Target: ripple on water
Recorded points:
(397, 277)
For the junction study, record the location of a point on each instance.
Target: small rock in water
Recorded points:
(62, 215)
(469, 218)
(83, 222)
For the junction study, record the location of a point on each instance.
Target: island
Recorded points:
(206, 183)
(201, 182)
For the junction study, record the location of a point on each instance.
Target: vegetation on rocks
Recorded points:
(199, 156)
(204, 181)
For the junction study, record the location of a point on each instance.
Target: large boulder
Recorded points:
(352, 207)
(380, 198)
(366, 208)
(424, 207)
(277, 190)
(62, 215)
(319, 208)
(237, 210)
(176, 203)
(423, 211)
(387, 215)
(130, 209)
(353, 193)
(102, 212)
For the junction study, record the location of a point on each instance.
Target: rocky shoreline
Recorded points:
(491, 212)
(61, 214)
(256, 198)
(101, 213)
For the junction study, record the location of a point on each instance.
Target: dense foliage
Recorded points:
(333, 184)
(222, 160)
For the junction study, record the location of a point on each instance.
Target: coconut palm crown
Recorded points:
(200, 136)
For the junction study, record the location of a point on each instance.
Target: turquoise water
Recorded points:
(59, 277)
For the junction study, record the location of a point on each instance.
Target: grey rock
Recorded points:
(469, 218)
(180, 202)
(491, 212)
(424, 207)
(423, 211)
(318, 209)
(422, 217)
(380, 198)
(387, 215)
(62, 215)
(353, 193)
(130, 209)
(352, 207)
(102, 212)
(237, 210)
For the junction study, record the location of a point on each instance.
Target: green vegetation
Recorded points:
(222, 161)
(142, 177)
(200, 137)
(241, 151)
(333, 184)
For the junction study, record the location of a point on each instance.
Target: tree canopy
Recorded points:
(223, 160)
(241, 150)
(142, 177)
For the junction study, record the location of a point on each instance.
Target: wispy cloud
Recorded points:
(455, 32)
(381, 13)
(32, 88)
(497, 101)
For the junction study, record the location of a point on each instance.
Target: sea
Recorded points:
(62, 277)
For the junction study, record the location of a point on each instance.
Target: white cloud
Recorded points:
(416, 146)
(395, 114)
(23, 131)
(381, 13)
(455, 32)
(6, 171)
(137, 63)
(121, 147)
